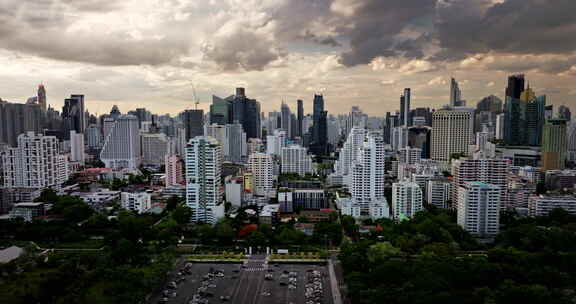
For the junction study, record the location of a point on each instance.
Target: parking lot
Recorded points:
(250, 283)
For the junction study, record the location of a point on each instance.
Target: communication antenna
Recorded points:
(196, 100)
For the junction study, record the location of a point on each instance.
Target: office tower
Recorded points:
(77, 148)
(193, 123)
(319, 128)
(155, 146)
(491, 104)
(122, 146)
(115, 112)
(244, 111)
(93, 137)
(368, 172)
(300, 117)
(18, 118)
(421, 113)
(489, 171)
(438, 192)
(455, 94)
(405, 108)
(420, 137)
(142, 115)
(334, 132)
(203, 179)
(407, 199)
(349, 151)
(548, 112)
(391, 121)
(286, 120)
(275, 143)
(399, 138)
(515, 86)
(34, 163)
(479, 208)
(452, 132)
(535, 116)
(295, 159)
(355, 119)
(73, 115)
(236, 149)
(564, 113)
(42, 97)
(293, 126)
(174, 170)
(261, 165)
(220, 111)
(554, 145)
(500, 123)
(218, 132)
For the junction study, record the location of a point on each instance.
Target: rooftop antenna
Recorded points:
(196, 100)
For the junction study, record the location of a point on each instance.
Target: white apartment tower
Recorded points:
(35, 163)
(489, 171)
(406, 199)
(203, 179)
(295, 159)
(479, 208)
(261, 165)
(368, 173)
(122, 144)
(438, 193)
(275, 143)
(452, 132)
(349, 151)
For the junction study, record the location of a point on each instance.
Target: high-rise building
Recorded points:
(455, 94)
(193, 123)
(420, 137)
(319, 129)
(542, 205)
(399, 138)
(405, 108)
(203, 179)
(122, 145)
(515, 86)
(479, 208)
(275, 143)
(77, 148)
(261, 165)
(18, 118)
(93, 137)
(174, 170)
(295, 159)
(554, 145)
(391, 121)
(489, 171)
(42, 97)
(407, 199)
(300, 117)
(438, 192)
(236, 149)
(409, 155)
(491, 104)
(35, 163)
(73, 115)
(500, 124)
(349, 151)
(220, 111)
(155, 147)
(452, 133)
(286, 120)
(244, 111)
(368, 172)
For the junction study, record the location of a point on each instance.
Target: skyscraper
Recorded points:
(405, 108)
(73, 115)
(319, 128)
(300, 117)
(489, 171)
(490, 104)
(220, 111)
(455, 94)
(554, 145)
(155, 147)
(174, 170)
(524, 117)
(42, 97)
(479, 208)
(515, 86)
(203, 179)
(286, 119)
(18, 118)
(407, 199)
(295, 159)
(452, 133)
(193, 123)
(564, 113)
(122, 146)
(77, 148)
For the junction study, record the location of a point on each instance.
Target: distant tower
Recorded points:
(122, 146)
(42, 97)
(455, 93)
(300, 117)
(554, 145)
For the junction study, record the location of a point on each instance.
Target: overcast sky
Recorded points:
(150, 53)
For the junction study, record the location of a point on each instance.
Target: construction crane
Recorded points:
(196, 100)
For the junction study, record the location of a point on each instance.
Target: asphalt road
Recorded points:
(245, 284)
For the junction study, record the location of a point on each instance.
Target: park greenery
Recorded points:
(429, 259)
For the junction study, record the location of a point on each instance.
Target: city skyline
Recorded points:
(143, 54)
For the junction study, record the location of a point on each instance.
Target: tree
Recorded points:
(182, 214)
(256, 238)
(48, 196)
(379, 252)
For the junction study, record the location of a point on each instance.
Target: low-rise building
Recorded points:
(28, 211)
(136, 202)
(269, 214)
(542, 205)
